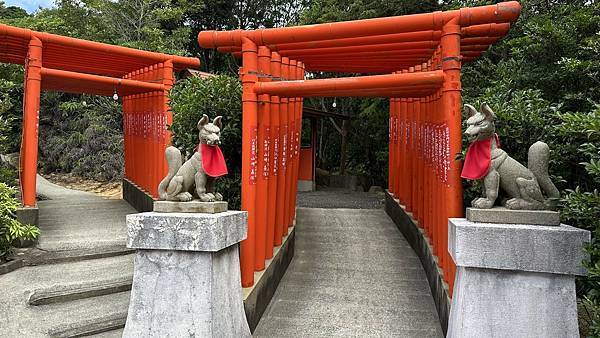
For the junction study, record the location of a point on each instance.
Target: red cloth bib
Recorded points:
(213, 161)
(479, 159)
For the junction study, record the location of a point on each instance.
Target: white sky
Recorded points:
(29, 5)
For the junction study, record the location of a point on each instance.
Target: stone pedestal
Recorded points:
(515, 280)
(186, 280)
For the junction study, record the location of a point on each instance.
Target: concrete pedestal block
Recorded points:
(186, 280)
(515, 280)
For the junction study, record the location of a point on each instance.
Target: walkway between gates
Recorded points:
(353, 275)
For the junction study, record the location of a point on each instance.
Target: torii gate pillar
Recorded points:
(31, 113)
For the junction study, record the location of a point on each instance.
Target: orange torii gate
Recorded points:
(420, 57)
(142, 79)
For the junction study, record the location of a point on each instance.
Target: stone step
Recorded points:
(66, 293)
(108, 334)
(36, 256)
(66, 299)
(87, 316)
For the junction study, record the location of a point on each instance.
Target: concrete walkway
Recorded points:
(73, 220)
(353, 275)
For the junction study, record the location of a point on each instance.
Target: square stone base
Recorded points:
(28, 215)
(195, 206)
(508, 216)
(186, 294)
(502, 303)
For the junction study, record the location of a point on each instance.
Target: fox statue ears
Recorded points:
(217, 122)
(204, 120)
(470, 110)
(485, 110)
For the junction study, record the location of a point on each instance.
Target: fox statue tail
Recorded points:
(538, 158)
(174, 161)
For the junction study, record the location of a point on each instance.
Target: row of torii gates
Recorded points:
(416, 61)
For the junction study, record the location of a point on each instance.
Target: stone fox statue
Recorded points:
(486, 161)
(196, 177)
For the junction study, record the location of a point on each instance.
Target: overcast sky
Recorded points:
(29, 5)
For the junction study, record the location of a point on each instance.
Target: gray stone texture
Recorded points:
(77, 221)
(305, 185)
(195, 206)
(186, 231)
(551, 249)
(337, 198)
(514, 280)
(28, 215)
(493, 303)
(186, 279)
(508, 216)
(186, 294)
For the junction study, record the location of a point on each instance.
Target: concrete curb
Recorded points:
(258, 297)
(11, 265)
(136, 197)
(420, 244)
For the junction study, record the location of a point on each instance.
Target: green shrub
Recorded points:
(213, 96)
(82, 135)
(11, 229)
(8, 175)
(581, 206)
(11, 93)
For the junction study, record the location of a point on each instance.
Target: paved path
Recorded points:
(72, 220)
(353, 274)
(341, 199)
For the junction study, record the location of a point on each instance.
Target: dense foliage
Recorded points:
(81, 135)
(214, 96)
(11, 230)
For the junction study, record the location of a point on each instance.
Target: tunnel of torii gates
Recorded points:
(415, 61)
(141, 79)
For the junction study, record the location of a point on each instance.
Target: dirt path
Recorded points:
(111, 190)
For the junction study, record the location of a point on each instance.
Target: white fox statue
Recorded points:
(195, 177)
(525, 186)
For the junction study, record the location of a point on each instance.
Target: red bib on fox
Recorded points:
(213, 161)
(479, 159)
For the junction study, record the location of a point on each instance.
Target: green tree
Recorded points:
(11, 12)
(320, 11)
(214, 96)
